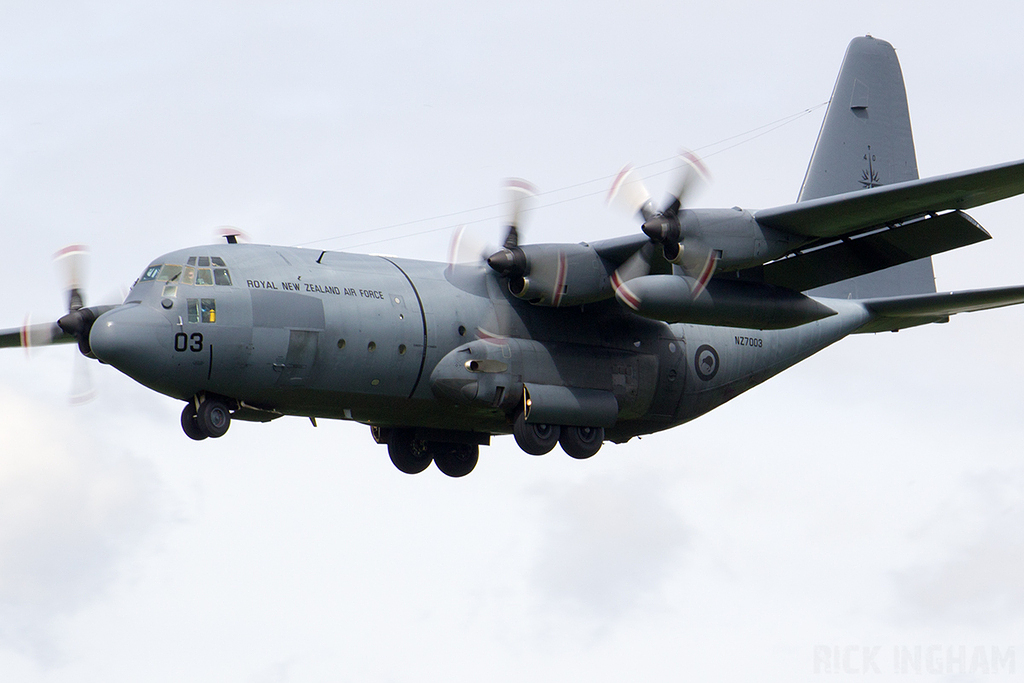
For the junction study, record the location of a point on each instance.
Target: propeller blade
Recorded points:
(232, 234)
(82, 390)
(629, 191)
(518, 192)
(637, 265)
(70, 262)
(694, 175)
(698, 261)
(34, 334)
(465, 247)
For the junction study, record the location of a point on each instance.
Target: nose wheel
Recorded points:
(211, 420)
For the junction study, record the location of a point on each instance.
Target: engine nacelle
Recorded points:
(724, 303)
(739, 240)
(555, 274)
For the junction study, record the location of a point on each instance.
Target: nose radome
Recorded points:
(128, 337)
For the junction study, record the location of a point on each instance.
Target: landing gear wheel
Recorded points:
(455, 459)
(189, 423)
(581, 442)
(535, 439)
(408, 455)
(213, 418)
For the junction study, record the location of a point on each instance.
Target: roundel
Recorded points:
(705, 362)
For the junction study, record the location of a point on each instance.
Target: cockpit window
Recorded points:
(204, 261)
(169, 273)
(218, 261)
(191, 261)
(221, 276)
(189, 276)
(204, 276)
(150, 274)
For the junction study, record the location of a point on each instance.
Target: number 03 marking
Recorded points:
(184, 342)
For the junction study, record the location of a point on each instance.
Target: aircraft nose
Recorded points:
(126, 337)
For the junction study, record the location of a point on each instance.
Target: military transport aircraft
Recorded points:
(569, 344)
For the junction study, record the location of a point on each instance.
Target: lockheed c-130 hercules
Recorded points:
(570, 344)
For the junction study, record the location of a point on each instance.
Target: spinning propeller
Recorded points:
(667, 229)
(73, 327)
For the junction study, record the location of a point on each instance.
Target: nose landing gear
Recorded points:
(212, 419)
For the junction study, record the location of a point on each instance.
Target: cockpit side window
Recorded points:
(204, 276)
(221, 276)
(218, 261)
(150, 273)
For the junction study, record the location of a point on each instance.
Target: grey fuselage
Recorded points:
(386, 342)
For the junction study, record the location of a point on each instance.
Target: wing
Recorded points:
(852, 212)
(895, 313)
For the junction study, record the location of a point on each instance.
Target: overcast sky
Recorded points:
(869, 497)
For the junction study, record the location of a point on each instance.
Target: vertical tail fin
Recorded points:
(866, 141)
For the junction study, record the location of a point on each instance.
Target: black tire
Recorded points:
(581, 442)
(190, 425)
(535, 439)
(407, 454)
(455, 459)
(213, 418)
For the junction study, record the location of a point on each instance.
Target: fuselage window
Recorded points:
(150, 274)
(208, 308)
(202, 310)
(204, 276)
(221, 276)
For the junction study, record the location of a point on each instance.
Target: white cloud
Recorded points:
(607, 544)
(976, 578)
(70, 514)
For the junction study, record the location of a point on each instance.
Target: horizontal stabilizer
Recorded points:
(894, 313)
(843, 214)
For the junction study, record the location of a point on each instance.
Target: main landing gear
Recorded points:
(212, 419)
(412, 455)
(538, 439)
